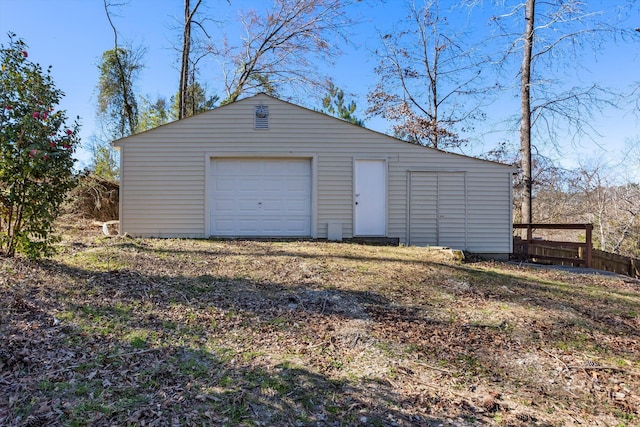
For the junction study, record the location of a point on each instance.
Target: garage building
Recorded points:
(263, 167)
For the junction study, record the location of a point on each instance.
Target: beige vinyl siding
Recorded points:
(335, 192)
(163, 171)
(489, 220)
(161, 194)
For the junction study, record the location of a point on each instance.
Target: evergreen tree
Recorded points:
(333, 103)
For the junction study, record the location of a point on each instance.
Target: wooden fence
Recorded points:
(577, 254)
(616, 263)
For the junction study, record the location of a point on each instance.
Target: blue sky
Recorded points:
(71, 35)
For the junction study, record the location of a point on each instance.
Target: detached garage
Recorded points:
(263, 167)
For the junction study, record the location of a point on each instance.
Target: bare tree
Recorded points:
(612, 205)
(555, 38)
(626, 218)
(192, 51)
(429, 80)
(554, 196)
(525, 106)
(186, 50)
(282, 45)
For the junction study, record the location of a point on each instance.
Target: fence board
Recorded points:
(558, 255)
(564, 258)
(615, 263)
(571, 253)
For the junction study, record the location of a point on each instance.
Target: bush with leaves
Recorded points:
(36, 148)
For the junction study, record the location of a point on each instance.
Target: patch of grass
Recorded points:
(226, 381)
(101, 260)
(25, 408)
(80, 415)
(277, 321)
(98, 319)
(194, 363)
(139, 338)
(130, 399)
(625, 418)
(150, 379)
(281, 386)
(236, 410)
(578, 342)
(88, 388)
(248, 356)
(46, 386)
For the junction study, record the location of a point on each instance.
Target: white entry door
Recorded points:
(370, 198)
(260, 197)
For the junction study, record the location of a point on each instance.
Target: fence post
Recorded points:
(588, 250)
(529, 239)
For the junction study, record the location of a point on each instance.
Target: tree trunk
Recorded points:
(184, 69)
(186, 50)
(525, 124)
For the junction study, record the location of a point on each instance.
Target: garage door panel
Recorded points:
(452, 210)
(297, 186)
(222, 185)
(246, 206)
(298, 168)
(288, 207)
(261, 197)
(247, 225)
(272, 205)
(247, 184)
(224, 226)
(298, 207)
(296, 224)
(273, 185)
(272, 167)
(224, 205)
(227, 168)
(272, 225)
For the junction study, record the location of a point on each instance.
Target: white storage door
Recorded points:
(438, 209)
(452, 210)
(260, 197)
(423, 209)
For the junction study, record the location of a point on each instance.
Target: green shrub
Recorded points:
(36, 148)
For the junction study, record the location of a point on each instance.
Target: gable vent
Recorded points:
(261, 117)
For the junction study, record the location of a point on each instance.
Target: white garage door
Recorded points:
(261, 197)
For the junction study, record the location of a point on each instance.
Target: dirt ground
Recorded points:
(172, 332)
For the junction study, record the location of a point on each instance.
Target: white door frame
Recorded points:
(382, 232)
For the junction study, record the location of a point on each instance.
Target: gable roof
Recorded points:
(263, 96)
